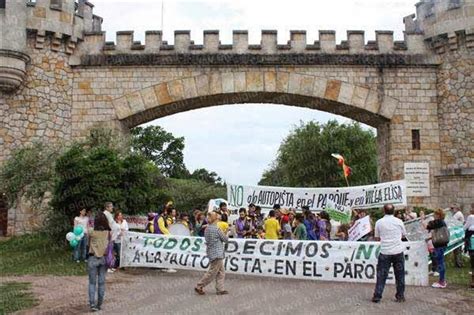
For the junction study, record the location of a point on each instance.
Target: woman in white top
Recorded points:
(117, 233)
(80, 251)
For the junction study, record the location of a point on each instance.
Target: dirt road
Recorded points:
(143, 291)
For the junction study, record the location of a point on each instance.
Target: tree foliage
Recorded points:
(29, 172)
(304, 157)
(161, 147)
(190, 193)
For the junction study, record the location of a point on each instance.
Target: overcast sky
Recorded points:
(240, 141)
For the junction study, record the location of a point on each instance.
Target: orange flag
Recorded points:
(346, 170)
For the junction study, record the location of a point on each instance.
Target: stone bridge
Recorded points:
(59, 77)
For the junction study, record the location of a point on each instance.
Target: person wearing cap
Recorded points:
(459, 217)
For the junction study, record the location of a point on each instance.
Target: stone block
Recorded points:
(388, 107)
(360, 96)
(135, 102)
(254, 81)
(240, 84)
(346, 93)
(332, 90)
(228, 82)
(282, 82)
(269, 79)
(202, 85)
(176, 90)
(189, 87)
(162, 93)
(319, 88)
(149, 97)
(122, 109)
(215, 83)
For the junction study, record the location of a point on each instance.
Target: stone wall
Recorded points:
(41, 109)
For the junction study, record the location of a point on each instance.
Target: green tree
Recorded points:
(304, 157)
(189, 193)
(161, 147)
(206, 176)
(29, 172)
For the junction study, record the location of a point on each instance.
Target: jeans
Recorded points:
(80, 251)
(434, 263)
(439, 254)
(383, 265)
(117, 249)
(97, 271)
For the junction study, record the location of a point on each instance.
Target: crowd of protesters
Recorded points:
(279, 223)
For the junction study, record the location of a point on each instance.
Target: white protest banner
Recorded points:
(360, 228)
(136, 222)
(313, 260)
(361, 197)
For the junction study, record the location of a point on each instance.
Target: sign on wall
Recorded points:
(417, 176)
(369, 196)
(312, 260)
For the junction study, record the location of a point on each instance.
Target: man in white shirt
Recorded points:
(389, 231)
(458, 216)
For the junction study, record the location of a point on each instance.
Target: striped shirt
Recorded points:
(215, 241)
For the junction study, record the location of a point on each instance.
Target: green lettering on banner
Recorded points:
(364, 250)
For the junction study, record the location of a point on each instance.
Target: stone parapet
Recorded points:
(355, 44)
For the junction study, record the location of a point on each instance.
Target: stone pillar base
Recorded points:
(12, 69)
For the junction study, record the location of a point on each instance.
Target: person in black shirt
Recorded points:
(438, 223)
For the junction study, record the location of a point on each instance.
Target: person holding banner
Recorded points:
(215, 248)
(390, 231)
(241, 224)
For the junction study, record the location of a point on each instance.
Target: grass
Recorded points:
(34, 254)
(15, 296)
(458, 276)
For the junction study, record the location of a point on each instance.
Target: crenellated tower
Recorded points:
(29, 25)
(447, 27)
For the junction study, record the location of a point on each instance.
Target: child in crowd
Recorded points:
(285, 228)
(300, 229)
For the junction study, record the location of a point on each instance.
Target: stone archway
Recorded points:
(280, 87)
(357, 102)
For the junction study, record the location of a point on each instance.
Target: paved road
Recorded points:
(143, 291)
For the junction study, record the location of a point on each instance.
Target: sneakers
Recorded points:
(375, 300)
(435, 274)
(170, 270)
(78, 261)
(439, 285)
(111, 270)
(94, 309)
(431, 273)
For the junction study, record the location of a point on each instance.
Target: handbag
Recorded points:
(471, 248)
(440, 237)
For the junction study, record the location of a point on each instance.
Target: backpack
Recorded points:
(440, 237)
